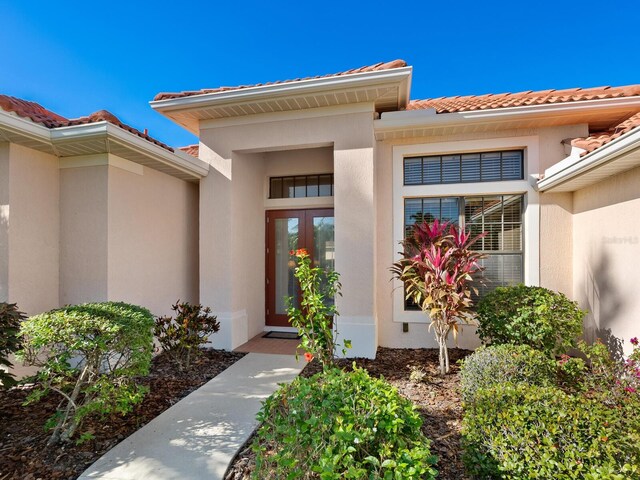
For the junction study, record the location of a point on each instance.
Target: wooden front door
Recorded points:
(288, 230)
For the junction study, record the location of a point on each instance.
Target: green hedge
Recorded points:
(531, 432)
(496, 364)
(341, 425)
(91, 356)
(535, 316)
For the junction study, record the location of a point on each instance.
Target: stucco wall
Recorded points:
(225, 202)
(606, 247)
(152, 239)
(83, 234)
(33, 229)
(127, 235)
(4, 221)
(552, 242)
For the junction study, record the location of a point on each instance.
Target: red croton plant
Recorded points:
(437, 270)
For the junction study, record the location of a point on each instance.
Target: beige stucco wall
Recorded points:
(29, 227)
(552, 242)
(152, 239)
(83, 234)
(606, 247)
(127, 234)
(226, 209)
(4, 221)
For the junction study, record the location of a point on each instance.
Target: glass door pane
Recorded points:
(323, 243)
(286, 239)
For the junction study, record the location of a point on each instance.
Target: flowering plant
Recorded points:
(437, 269)
(314, 319)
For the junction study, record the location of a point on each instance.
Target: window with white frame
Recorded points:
(479, 184)
(500, 216)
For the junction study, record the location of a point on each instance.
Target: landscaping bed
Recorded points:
(436, 398)
(23, 440)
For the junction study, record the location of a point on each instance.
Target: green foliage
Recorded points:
(437, 269)
(10, 319)
(90, 354)
(182, 337)
(314, 319)
(339, 425)
(534, 316)
(524, 431)
(496, 364)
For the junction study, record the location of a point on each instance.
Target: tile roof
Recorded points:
(598, 139)
(193, 150)
(38, 114)
(505, 100)
(369, 68)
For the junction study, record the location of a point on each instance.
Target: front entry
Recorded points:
(290, 230)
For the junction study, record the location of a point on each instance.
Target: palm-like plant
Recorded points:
(437, 270)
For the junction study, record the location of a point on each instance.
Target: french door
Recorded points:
(290, 230)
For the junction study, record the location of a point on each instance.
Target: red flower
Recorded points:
(308, 356)
(301, 251)
(292, 252)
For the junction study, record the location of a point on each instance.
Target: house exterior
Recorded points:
(92, 210)
(341, 165)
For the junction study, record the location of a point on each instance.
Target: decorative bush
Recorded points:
(93, 353)
(339, 425)
(523, 431)
(496, 364)
(437, 269)
(534, 316)
(10, 319)
(314, 319)
(181, 338)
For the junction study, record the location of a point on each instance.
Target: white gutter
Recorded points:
(186, 163)
(61, 135)
(297, 87)
(567, 170)
(23, 126)
(412, 119)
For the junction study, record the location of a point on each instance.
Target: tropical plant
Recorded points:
(10, 319)
(341, 425)
(181, 338)
(437, 269)
(315, 319)
(93, 353)
(535, 316)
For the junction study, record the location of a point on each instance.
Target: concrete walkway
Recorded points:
(198, 436)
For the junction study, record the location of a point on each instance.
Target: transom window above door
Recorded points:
(464, 168)
(301, 186)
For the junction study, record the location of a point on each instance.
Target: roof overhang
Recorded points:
(574, 172)
(419, 123)
(386, 89)
(100, 137)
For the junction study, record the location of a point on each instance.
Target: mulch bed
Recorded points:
(23, 451)
(437, 399)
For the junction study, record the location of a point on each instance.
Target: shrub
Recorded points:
(10, 319)
(523, 431)
(314, 319)
(93, 353)
(181, 338)
(437, 269)
(496, 364)
(338, 425)
(534, 316)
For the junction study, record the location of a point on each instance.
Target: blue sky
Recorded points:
(78, 57)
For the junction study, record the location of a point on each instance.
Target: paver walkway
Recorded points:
(198, 436)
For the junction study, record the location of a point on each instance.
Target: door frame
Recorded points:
(305, 240)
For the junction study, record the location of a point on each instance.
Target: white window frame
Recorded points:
(526, 187)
